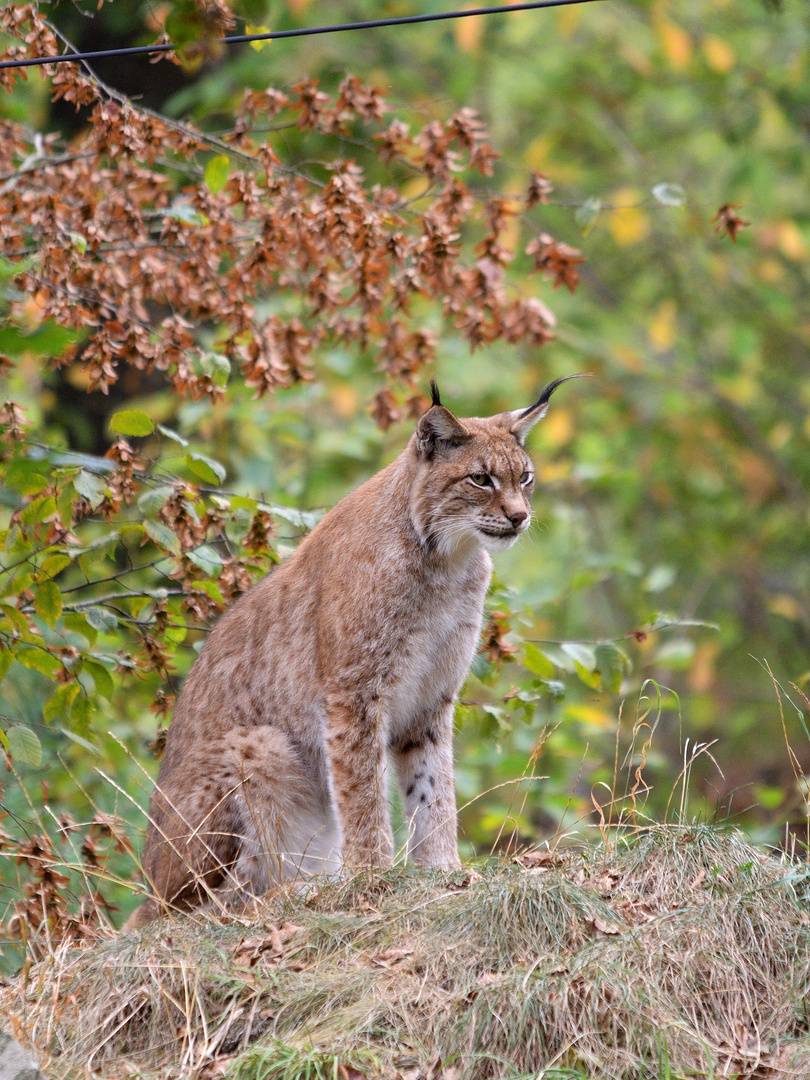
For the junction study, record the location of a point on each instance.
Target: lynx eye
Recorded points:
(481, 479)
(525, 478)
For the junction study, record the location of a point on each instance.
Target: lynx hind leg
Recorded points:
(232, 820)
(287, 827)
(191, 840)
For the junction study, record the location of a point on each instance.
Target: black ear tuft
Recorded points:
(524, 419)
(545, 397)
(434, 393)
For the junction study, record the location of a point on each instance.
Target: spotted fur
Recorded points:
(341, 667)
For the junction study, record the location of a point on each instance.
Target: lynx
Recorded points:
(344, 661)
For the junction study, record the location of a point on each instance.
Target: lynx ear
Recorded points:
(524, 420)
(438, 425)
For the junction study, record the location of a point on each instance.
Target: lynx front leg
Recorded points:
(423, 759)
(357, 763)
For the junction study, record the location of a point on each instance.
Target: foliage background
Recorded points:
(672, 488)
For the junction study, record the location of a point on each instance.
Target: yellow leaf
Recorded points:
(413, 188)
(791, 241)
(510, 237)
(345, 400)
(540, 157)
(675, 42)
(797, 70)
(702, 673)
(469, 31)
(589, 714)
(627, 223)
(742, 389)
(786, 606)
(628, 358)
(558, 427)
(250, 29)
(553, 472)
(567, 20)
(774, 131)
(770, 271)
(664, 325)
(780, 434)
(538, 151)
(719, 54)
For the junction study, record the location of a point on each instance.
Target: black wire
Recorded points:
(239, 39)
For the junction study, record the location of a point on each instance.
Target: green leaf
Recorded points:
(19, 580)
(207, 558)
(498, 713)
(676, 653)
(162, 535)
(590, 678)
(587, 214)
(6, 660)
(76, 623)
(53, 565)
(18, 621)
(659, 578)
(242, 502)
(185, 212)
(26, 476)
(612, 664)
(301, 519)
(138, 604)
(150, 502)
(669, 194)
(212, 472)
(536, 661)
(81, 713)
(101, 677)
(90, 487)
(554, 688)
(38, 510)
(81, 742)
(581, 654)
(210, 588)
(60, 703)
(131, 422)
(217, 367)
(38, 659)
(175, 634)
(48, 602)
(216, 173)
(662, 621)
(24, 746)
(101, 619)
(170, 433)
(48, 339)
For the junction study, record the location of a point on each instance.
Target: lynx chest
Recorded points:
(438, 647)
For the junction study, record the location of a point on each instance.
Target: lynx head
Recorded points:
(474, 478)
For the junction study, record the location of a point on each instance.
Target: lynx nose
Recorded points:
(517, 517)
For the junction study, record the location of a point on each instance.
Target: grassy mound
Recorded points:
(679, 952)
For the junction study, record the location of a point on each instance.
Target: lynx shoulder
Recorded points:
(339, 670)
